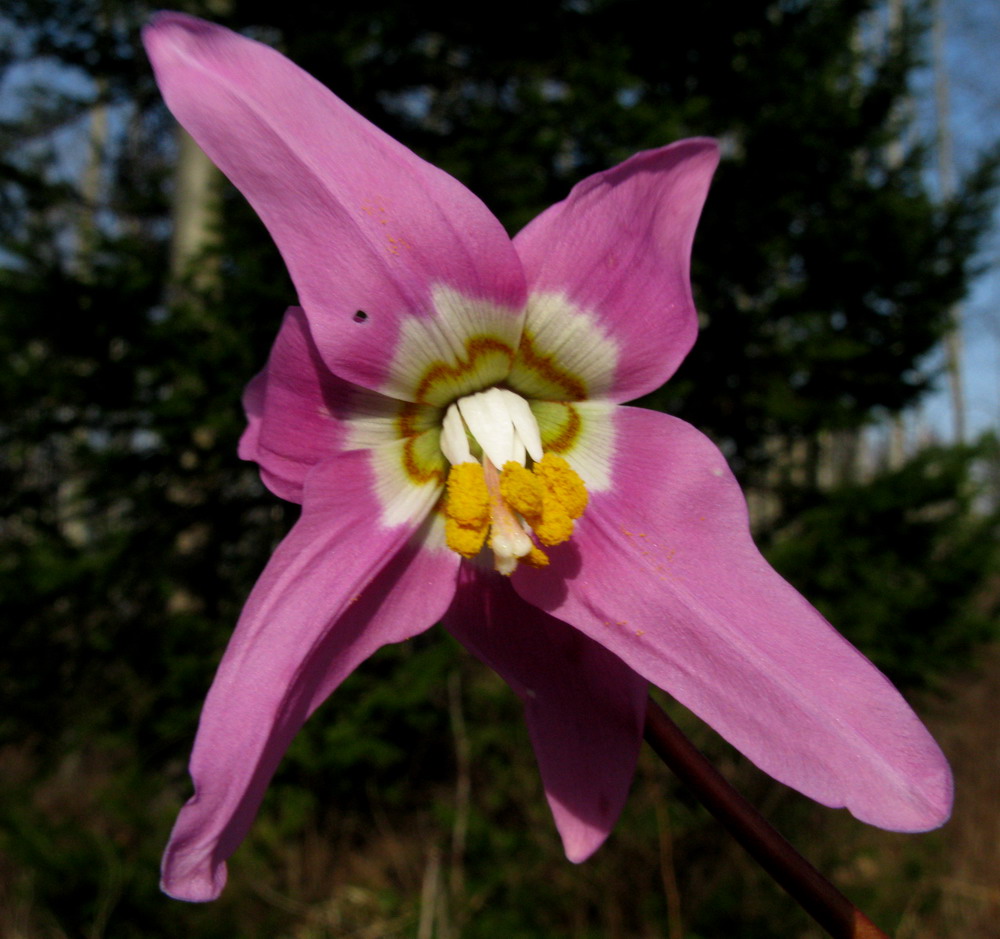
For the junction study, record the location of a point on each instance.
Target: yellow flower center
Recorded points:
(533, 497)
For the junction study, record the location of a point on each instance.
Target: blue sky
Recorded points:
(972, 33)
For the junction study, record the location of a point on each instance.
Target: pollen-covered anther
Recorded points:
(521, 489)
(513, 510)
(549, 496)
(563, 483)
(536, 557)
(466, 509)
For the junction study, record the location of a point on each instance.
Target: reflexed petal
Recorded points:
(292, 411)
(300, 414)
(584, 707)
(662, 571)
(336, 589)
(253, 406)
(618, 249)
(362, 223)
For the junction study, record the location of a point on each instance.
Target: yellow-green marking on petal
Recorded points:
(494, 406)
(465, 344)
(564, 353)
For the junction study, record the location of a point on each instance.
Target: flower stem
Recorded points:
(806, 885)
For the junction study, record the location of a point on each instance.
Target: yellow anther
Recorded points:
(481, 502)
(548, 496)
(536, 557)
(468, 500)
(463, 539)
(554, 525)
(466, 509)
(563, 483)
(521, 489)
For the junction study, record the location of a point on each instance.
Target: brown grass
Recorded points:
(404, 876)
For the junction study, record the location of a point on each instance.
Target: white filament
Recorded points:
(499, 420)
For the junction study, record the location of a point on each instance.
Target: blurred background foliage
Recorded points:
(826, 269)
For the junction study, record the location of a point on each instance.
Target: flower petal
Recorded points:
(368, 230)
(583, 433)
(614, 257)
(299, 414)
(336, 589)
(291, 411)
(584, 707)
(662, 571)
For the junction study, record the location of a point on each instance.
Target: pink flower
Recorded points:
(431, 350)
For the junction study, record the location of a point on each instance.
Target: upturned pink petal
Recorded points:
(336, 590)
(619, 249)
(292, 410)
(663, 573)
(584, 707)
(362, 223)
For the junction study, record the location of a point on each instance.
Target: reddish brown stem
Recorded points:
(806, 885)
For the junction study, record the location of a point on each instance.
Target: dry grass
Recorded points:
(404, 877)
(967, 887)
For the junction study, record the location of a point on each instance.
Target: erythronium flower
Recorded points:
(446, 406)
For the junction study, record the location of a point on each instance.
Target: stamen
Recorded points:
(466, 509)
(536, 557)
(549, 496)
(508, 538)
(454, 439)
(562, 481)
(501, 423)
(521, 488)
(506, 507)
(525, 425)
(487, 416)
